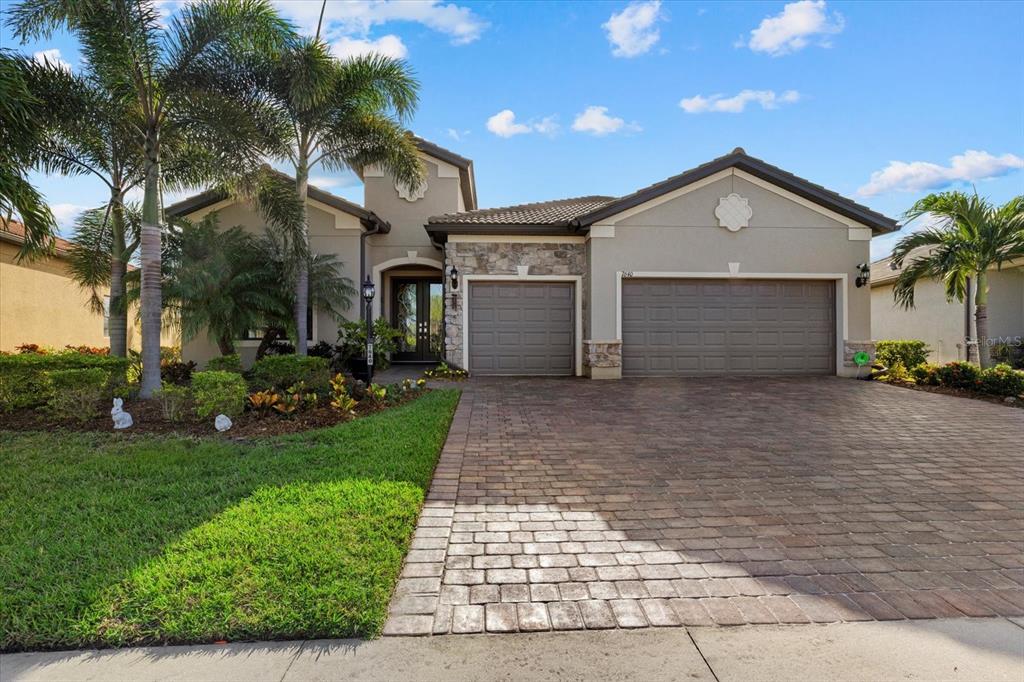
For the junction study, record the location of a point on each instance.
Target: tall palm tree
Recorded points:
(970, 237)
(190, 77)
(22, 119)
(92, 133)
(339, 115)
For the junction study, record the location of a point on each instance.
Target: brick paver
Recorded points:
(565, 504)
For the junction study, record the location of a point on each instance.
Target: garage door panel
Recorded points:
(521, 328)
(728, 326)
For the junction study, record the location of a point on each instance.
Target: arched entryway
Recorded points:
(411, 297)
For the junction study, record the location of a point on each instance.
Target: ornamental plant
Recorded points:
(226, 363)
(908, 353)
(1002, 380)
(340, 398)
(218, 392)
(76, 393)
(173, 401)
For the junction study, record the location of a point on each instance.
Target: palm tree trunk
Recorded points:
(271, 335)
(226, 345)
(981, 319)
(151, 276)
(302, 267)
(117, 325)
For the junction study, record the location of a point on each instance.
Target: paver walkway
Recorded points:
(568, 504)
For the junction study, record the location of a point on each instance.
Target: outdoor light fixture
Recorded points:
(454, 274)
(368, 291)
(865, 275)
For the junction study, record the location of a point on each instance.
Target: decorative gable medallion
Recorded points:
(409, 195)
(733, 212)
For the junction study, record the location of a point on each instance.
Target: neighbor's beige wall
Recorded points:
(933, 320)
(39, 303)
(330, 231)
(683, 235)
(940, 323)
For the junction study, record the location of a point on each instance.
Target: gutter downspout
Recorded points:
(372, 227)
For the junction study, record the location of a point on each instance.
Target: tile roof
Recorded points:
(13, 231)
(555, 213)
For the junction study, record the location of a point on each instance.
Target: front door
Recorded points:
(417, 305)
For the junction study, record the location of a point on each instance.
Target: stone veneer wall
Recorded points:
(503, 258)
(851, 348)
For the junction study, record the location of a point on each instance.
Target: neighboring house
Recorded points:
(733, 267)
(41, 304)
(946, 326)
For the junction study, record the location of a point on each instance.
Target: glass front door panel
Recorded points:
(407, 317)
(436, 317)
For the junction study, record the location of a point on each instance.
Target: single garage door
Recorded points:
(692, 327)
(520, 328)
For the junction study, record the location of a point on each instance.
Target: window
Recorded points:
(106, 316)
(257, 334)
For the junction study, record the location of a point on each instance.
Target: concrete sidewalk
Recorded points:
(990, 649)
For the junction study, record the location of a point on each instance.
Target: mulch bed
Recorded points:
(149, 420)
(959, 393)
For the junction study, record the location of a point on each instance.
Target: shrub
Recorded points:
(76, 393)
(340, 398)
(1002, 380)
(926, 375)
(279, 372)
(281, 347)
(352, 342)
(216, 392)
(908, 353)
(376, 395)
(23, 377)
(225, 363)
(177, 372)
(263, 401)
(173, 400)
(898, 374)
(1009, 354)
(446, 371)
(962, 375)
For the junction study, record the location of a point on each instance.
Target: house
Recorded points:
(947, 326)
(733, 267)
(40, 303)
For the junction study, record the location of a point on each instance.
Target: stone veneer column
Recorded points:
(602, 359)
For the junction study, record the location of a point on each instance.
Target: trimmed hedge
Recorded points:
(76, 393)
(23, 381)
(217, 392)
(1000, 380)
(907, 352)
(225, 363)
(278, 372)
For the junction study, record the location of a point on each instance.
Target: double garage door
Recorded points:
(685, 327)
(692, 327)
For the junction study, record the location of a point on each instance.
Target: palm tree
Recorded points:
(970, 237)
(329, 291)
(219, 281)
(22, 119)
(93, 133)
(189, 78)
(339, 115)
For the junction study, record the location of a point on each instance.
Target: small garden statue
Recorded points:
(222, 422)
(122, 420)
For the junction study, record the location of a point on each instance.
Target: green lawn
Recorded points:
(106, 540)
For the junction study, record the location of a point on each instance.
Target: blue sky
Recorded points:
(881, 102)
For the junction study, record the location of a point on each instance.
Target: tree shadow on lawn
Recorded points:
(164, 540)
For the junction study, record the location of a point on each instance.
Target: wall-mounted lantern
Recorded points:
(865, 275)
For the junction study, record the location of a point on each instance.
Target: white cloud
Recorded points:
(359, 16)
(51, 56)
(504, 124)
(632, 31)
(390, 46)
(795, 27)
(699, 104)
(917, 176)
(456, 134)
(65, 214)
(595, 120)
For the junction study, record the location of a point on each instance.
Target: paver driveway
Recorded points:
(566, 504)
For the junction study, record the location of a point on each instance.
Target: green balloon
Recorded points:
(861, 358)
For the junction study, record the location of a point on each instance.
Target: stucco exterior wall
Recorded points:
(503, 258)
(39, 303)
(682, 235)
(940, 323)
(330, 231)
